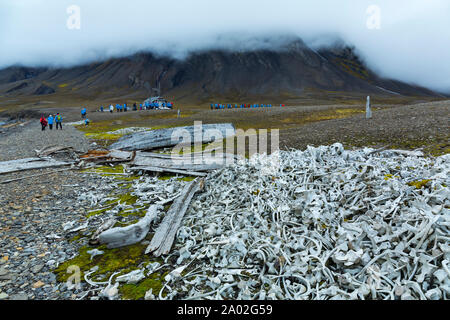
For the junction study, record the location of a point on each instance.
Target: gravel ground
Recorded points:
(21, 141)
(32, 212)
(407, 127)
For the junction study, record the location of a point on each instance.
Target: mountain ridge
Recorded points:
(294, 71)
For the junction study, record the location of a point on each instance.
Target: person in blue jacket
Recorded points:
(125, 108)
(101, 108)
(50, 120)
(58, 120)
(83, 113)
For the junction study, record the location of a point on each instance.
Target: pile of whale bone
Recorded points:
(324, 223)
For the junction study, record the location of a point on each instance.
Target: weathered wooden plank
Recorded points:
(203, 153)
(196, 164)
(177, 163)
(206, 156)
(30, 164)
(35, 175)
(165, 234)
(46, 151)
(122, 155)
(164, 137)
(162, 170)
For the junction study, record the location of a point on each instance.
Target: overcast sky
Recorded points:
(407, 40)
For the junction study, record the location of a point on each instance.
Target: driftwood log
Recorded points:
(165, 234)
(170, 137)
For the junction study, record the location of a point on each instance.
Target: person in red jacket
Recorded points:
(43, 122)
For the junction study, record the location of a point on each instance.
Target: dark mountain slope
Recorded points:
(293, 71)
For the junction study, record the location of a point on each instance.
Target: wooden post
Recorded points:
(368, 110)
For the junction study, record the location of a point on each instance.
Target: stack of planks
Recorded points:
(190, 165)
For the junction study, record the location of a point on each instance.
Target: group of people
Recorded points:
(145, 106)
(156, 105)
(215, 106)
(50, 120)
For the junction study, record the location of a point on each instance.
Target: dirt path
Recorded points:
(20, 142)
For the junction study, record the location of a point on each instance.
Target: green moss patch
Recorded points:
(97, 212)
(123, 260)
(103, 136)
(140, 212)
(137, 291)
(106, 169)
(418, 184)
(126, 198)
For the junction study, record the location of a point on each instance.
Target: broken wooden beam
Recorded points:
(46, 151)
(186, 163)
(35, 175)
(170, 137)
(105, 157)
(30, 164)
(165, 234)
(122, 155)
(203, 153)
(168, 170)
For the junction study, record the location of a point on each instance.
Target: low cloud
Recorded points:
(405, 40)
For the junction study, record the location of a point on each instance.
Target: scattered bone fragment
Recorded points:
(124, 236)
